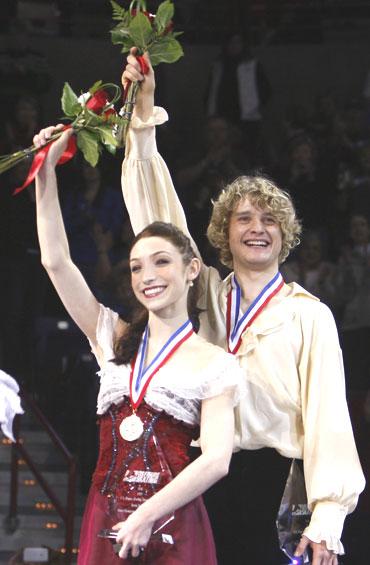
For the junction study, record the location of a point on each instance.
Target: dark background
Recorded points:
(315, 58)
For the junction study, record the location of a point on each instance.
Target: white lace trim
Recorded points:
(177, 394)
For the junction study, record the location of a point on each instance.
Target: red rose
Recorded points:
(97, 101)
(145, 12)
(109, 112)
(169, 28)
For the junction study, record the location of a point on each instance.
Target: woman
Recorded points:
(193, 384)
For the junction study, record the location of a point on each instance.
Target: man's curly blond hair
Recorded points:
(262, 193)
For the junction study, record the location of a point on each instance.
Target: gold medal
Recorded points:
(131, 428)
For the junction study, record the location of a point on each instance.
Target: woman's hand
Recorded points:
(321, 555)
(134, 534)
(59, 145)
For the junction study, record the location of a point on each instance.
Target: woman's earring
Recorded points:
(191, 283)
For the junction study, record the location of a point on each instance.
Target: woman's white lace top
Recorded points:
(178, 387)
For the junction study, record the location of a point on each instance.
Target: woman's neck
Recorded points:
(161, 328)
(160, 331)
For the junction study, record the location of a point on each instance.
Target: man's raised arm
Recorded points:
(147, 186)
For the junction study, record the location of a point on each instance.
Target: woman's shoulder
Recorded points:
(110, 327)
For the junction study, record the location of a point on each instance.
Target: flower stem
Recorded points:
(9, 161)
(127, 110)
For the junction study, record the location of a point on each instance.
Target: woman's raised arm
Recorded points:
(55, 256)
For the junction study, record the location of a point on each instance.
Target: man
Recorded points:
(284, 338)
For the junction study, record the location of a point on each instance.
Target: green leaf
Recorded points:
(164, 15)
(111, 148)
(88, 142)
(140, 31)
(118, 11)
(95, 87)
(92, 119)
(70, 105)
(121, 35)
(167, 50)
(106, 135)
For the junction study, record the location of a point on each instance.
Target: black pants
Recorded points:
(243, 506)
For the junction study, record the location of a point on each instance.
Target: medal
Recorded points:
(132, 426)
(236, 325)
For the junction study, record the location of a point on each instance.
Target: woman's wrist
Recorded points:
(144, 513)
(46, 171)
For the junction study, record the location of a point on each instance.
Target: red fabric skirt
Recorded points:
(190, 529)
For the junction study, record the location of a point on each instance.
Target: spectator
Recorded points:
(87, 209)
(238, 91)
(354, 289)
(311, 269)
(201, 180)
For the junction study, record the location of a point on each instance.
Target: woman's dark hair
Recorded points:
(127, 344)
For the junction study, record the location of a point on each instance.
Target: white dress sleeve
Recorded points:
(114, 379)
(105, 327)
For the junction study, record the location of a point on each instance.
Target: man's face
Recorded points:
(359, 230)
(255, 238)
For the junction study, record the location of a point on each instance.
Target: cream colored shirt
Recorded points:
(296, 399)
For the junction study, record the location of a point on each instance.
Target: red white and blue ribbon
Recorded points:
(140, 377)
(236, 324)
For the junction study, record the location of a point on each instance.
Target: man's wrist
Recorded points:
(144, 108)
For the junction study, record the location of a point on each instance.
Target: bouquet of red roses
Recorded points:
(150, 33)
(94, 120)
(92, 115)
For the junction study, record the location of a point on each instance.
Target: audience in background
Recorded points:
(202, 173)
(312, 270)
(90, 210)
(238, 91)
(354, 290)
(322, 160)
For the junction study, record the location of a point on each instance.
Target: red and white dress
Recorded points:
(171, 407)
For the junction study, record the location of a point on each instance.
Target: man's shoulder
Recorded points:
(304, 303)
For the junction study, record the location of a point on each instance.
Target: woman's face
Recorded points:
(360, 230)
(302, 154)
(311, 252)
(159, 278)
(26, 113)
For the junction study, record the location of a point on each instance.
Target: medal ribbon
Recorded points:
(140, 377)
(235, 327)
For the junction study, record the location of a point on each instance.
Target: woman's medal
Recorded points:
(132, 427)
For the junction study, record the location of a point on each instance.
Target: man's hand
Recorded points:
(145, 97)
(321, 555)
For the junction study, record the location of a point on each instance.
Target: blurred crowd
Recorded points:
(322, 158)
